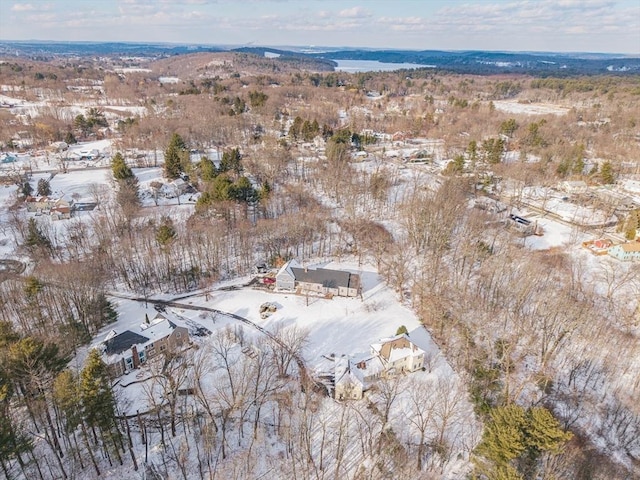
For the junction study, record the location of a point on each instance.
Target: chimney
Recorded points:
(136, 357)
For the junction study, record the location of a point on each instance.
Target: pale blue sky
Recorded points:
(534, 25)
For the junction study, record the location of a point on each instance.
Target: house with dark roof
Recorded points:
(321, 281)
(126, 351)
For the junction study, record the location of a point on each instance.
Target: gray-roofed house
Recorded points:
(321, 281)
(126, 351)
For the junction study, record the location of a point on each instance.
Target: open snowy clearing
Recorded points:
(354, 324)
(530, 108)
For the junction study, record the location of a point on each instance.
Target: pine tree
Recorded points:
(231, 161)
(174, 157)
(44, 189)
(98, 403)
(543, 431)
(243, 191)
(120, 169)
(221, 188)
(265, 191)
(606, 173)
(295, 131)
(402, 330)
(207, 169)
(26, 189)
(503, 439)
(514, 439)
(166, 233)
(508, 127)
(29, 356)
(66, 395)
(35, 238)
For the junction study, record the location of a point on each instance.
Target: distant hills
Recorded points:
(474, 62)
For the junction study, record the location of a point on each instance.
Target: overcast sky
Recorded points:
(532, 25)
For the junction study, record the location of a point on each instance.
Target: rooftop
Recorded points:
(327, 278)
(121, 342)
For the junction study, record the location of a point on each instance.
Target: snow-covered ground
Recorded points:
(529, 108)
(333, 326)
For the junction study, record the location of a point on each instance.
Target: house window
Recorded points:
(163, 348)
(129, 362)
(141, 356)
(178, 334)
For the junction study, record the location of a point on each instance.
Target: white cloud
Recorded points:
(22, 7)
(355, 12)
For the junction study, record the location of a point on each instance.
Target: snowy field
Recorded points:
(530, 108)
(336, 326)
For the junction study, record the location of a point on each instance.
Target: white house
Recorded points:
(355, 374)
(399, 354)
(626, 252)
(285, 278)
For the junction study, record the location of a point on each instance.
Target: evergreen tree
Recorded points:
(472, 150)
(44, 189)
(402, 330)
(35, 238)
(66, 395)
(69, 138)
(32, 286)
(243, 191)
(543, 432)
(204, 202)
(503, 438)
(166, 233)
(295, 131)
(221, 188)
(207, 169)
(26, 189)
(265, 191)
(231, 161)
(607, 174)
(29, 359)
(514, 439)
(98, 403)
(81, 124)
(631, 225)
(493, 149)
(174, 156)
(120, 169)
(257, 99)
(508, 127)
(456, 166)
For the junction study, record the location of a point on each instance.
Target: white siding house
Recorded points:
(626, 252)
(285, 279)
